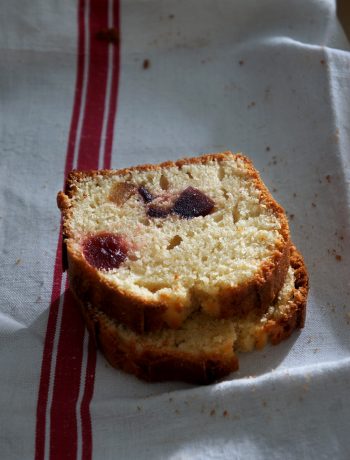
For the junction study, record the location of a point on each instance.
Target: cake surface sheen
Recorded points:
(177, 267)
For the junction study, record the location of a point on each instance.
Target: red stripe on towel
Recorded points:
(41, 420)
(114, 89)
(68, 373)
(63, 434)
(96, 89)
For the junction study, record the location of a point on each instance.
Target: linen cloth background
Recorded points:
(270, 79)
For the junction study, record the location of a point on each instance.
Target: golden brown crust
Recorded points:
(79, 175)
(294, 318)
(141, 315)
(154, 364)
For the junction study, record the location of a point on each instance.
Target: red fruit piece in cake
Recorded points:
(105, 251)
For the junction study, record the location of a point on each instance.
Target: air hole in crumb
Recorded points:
(145, 222)
(236, 214)
(221, 173)
(225, 193)
(164, 182)
(175, 241)
(219, 246)
(218, 217)
(152, 288)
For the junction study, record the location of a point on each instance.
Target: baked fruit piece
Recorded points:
(203, 349)
(151, 245)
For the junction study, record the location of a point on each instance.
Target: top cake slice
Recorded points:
(151, 244)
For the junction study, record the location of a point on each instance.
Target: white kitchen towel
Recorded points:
(100, 83)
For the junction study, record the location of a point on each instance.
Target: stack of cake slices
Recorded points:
(179, 267)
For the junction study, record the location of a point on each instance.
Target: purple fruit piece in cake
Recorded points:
(193, 203)
(145, 194)
(158, 211)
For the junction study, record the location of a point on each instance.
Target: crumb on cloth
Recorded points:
(110, 35)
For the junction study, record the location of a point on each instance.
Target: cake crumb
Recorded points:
(241, 62)
(329, 178)
(267, 148)
(313, 205)
(110, 35)
(212, 412)
(333, 252)
(146, 64)
(347, 318)
(291, 216)
(18, 261)
(322, 61)
(225, 413)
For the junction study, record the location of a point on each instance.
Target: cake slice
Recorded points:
(203, 349)
(152, 245)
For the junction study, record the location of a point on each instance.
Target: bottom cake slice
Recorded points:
(203, 349)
